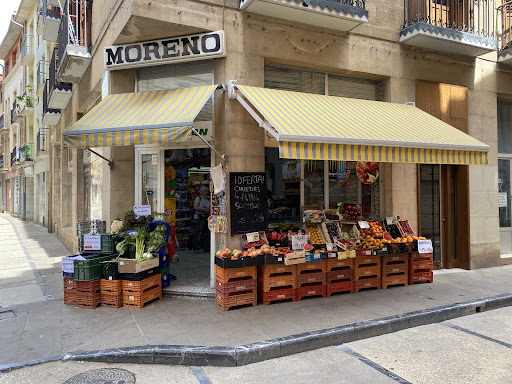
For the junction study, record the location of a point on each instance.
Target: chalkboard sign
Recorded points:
(248, 202)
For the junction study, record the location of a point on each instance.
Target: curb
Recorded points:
(274, 348)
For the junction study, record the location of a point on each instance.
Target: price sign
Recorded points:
(141, 210)
(425, 246)
(154, 159)
(389, 220)
(330, 247)
(92, 242)
(363, 224)
(298, 242)
(502, 199)
(253, 236)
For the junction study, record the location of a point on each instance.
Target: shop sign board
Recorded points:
(248, 202)
(299, 241)
(92, 242)
(502, 199)
(425, 246)
(141, 210)
(174, 49)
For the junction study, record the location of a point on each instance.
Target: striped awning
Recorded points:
(319, 127)
(140, 118)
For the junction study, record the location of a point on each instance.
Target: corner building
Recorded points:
(387, 51)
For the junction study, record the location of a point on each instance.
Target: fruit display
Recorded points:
(332, 215)
(314, 235)
(393, 230)
(344, 244)
(405, 228)
(313, 216)
(370, 243)
(258, 243)
(376, 229)
(351, 212)
(333, 230)
(265, 249)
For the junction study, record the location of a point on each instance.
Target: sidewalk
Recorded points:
(43, 327)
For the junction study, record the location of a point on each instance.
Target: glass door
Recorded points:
(504, 203)
(430, 207)
(149, 175)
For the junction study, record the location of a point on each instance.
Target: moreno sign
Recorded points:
(174, 49)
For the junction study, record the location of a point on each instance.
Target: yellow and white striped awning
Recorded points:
(319, 127)
(140, 118)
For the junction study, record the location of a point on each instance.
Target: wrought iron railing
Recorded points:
(14, 110)
(505, 25)
(42, 136)
(49, 10)
(27, 46)
(14, 156)
(42, 70)
(477, 17)
(1, 161)
(75, 29)
(1, 121)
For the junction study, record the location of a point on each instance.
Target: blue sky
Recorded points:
(7, 7)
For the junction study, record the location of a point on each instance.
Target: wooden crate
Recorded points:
(317, 266)
(367, 261)
(277, 295)
(276, 269)
(112, 300)
(374, 282)
(311, 290)
(365, 272)
(341, 286)
(68, 284)
(142, 286)
(339, 275)
(225, 303)
(337, 264)
(310, 278)
(238, 285)
(295, 258)
(394, 280)
(69, 297)
(92, 286)
(395, 259)
(421, 266)
(111, 286)
(280, 281)
(416, 256)
(395, 269)
(225, 275)
(421, 277)
(138, 301)
(87, 300)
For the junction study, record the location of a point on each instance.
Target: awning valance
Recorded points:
(319, 127)
(140, 118)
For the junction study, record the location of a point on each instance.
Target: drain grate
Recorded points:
(103, 376)
(7, 315)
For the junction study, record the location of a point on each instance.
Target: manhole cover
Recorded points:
(103, 376)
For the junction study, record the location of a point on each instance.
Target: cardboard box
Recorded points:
(295, 258)
(313, 257)
(347, 254)
(131, 265)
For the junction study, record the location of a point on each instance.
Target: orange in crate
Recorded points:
(139, 287)
(275, 269)
(225, 275)
(277, 295)
(92, 286)
(394, 280)
(340, 286)
(318, 266)
(227, 302)
(311, 290)
(112, 300)
(310, 278)
(339, 264)
(87, 300)
(238, 285)
(69, 297)
(111, 286)
(136, 300)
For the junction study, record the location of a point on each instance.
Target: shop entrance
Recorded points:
(444, 213)
(176, 181)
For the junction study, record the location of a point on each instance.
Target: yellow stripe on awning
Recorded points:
(140, 118)
(359, 130)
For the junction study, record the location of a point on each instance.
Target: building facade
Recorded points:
(452, 62)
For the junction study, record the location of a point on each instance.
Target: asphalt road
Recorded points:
(471, 349)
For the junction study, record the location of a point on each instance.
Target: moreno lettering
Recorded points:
(191, 47)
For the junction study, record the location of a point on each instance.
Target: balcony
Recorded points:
(27, 50)
(50, 116)
(42, 75)
(464, 27)
(51, 22)
(26, 103)
(43, 141)
(74, 41)
(15, 112)
(505, 33)
(341, 15)
(15, 156)
(58, 93)
(2, 124)
(2, 164)
(26, 153)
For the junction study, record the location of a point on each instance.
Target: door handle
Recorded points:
(444, 220)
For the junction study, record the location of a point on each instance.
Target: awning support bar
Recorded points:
(109, 161)
(223, 157)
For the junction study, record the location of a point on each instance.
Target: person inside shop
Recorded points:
(202, 211)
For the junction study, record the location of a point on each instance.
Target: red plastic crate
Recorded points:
(311, 290)
(340, 274)
(280, 281)
(394, 280)
(277, 295)
(371, 271)
(421, 277)
(310, 278)
(421, 266)
(396, 258)
(243, 284)
(111, 286)
(142, 286)
(114, 300)
(393, 269)
(69, 297)
(225, 275)
(332, 264)
(68, 284)
(87, 300)
(319, 266)
(138, 300)
(341, 286)
(227, 302)
(374, 282)
(277, 269)
(92, 286)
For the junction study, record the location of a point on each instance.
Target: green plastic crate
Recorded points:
(165, 271)
(107, 244)
(90, 268)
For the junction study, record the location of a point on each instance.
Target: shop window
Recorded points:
(504, 166)
(314, 184)
(93, 182)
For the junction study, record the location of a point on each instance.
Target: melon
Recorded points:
(387, 236)
(308, 247)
